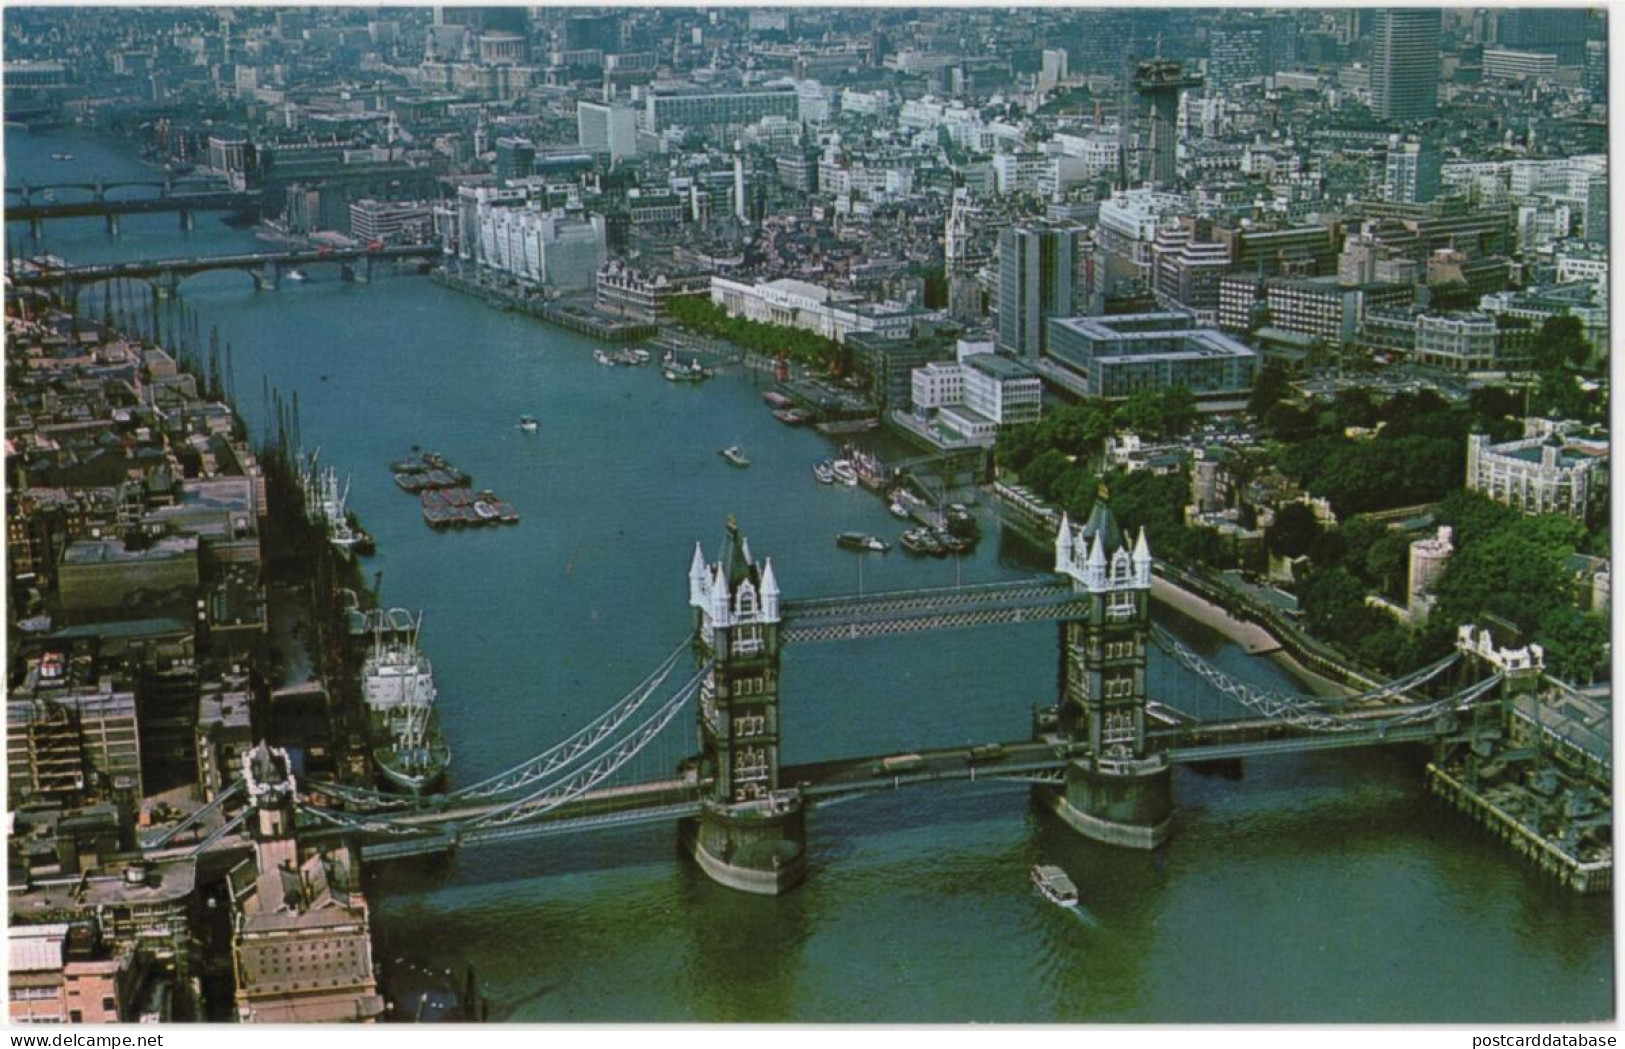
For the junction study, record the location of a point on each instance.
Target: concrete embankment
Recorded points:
(1254, 639)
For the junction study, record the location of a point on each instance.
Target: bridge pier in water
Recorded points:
(266, 277)
(751, 834)
(1116, 790)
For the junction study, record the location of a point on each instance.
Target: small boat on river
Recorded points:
(1055, 886)
(862, 541)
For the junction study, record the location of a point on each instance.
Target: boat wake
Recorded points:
(1083, 915)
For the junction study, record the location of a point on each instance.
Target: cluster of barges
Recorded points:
(785, 410)
(427, 472)
(630, 357)
(462, 507)
(444, 492)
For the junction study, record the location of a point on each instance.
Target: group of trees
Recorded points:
(1505, 564)
(1418, 454)
(1561, 355)
(1058, 458)
(1077, 433)
(1516, 566)
(1159, 414)
(706, 317)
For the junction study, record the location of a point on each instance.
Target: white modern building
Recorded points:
(976, 394)
(1502, 64)
(1130, 219)
(810, 307)
(1575, 263)
(608, 128)
(558, 248)
(1097, 151)
(1019, 172)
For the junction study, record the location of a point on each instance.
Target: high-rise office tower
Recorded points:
(1237, 53)
(1411, 174)
(1041, 275)
(1560, 31)
(608, 128)
(1158, 83)
(1594, 76)
(592, 32)
(1405, 63)
(516, 158)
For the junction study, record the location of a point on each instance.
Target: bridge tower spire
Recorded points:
(1117, 789)
(751, 835)
(272, 793)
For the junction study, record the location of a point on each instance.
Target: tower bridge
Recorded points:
(1101, 758)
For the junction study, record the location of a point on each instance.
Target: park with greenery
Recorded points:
(700, 314)
(1363, 453)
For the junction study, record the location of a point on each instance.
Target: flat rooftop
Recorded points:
(111, 550)
(1000, 367)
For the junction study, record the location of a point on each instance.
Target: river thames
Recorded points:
(1322, 888)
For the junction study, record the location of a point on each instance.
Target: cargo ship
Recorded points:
(325, 503)
(397, 686)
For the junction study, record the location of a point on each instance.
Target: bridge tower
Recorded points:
(1521, 668)
(1117, 790)
(268, 775)
(751, 834)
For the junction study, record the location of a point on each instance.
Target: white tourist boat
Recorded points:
(1055, 885)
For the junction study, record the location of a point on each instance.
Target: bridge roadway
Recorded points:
(442, 828)
(908, 611)
(166, 185)
(1043, 760)
(145, 269)
(224, 200)
(1031, 761)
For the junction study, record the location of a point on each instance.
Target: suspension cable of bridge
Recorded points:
(540, 801)
(231, 825)
(160, 840)
(556, 758)
(1315, 712)
(585, 779)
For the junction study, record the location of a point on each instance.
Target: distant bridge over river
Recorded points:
(265, 268)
